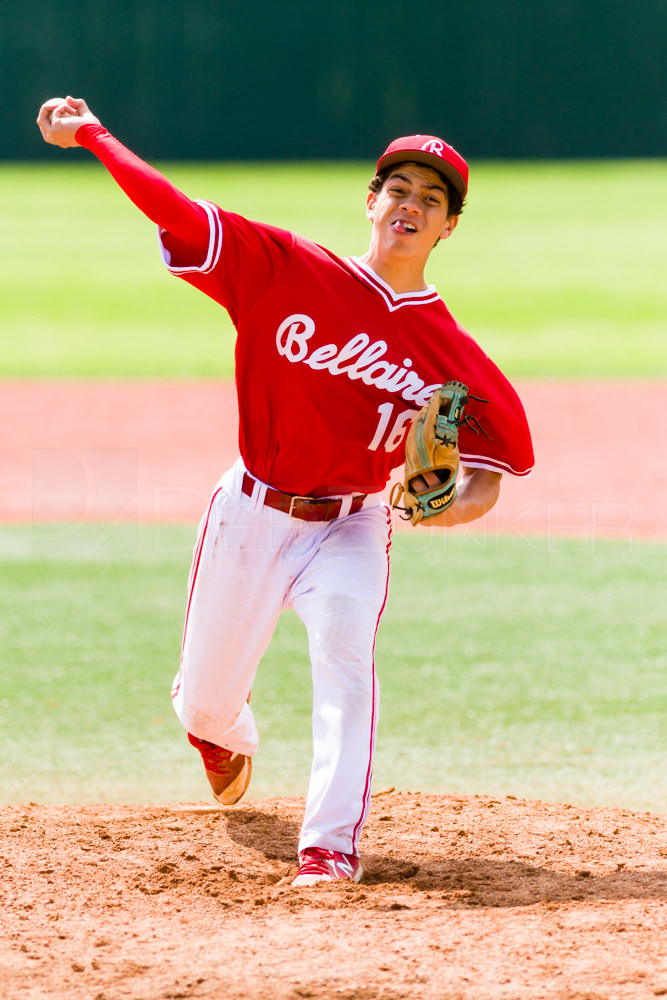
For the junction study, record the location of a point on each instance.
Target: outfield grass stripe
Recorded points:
(506, 670)
(540, 270)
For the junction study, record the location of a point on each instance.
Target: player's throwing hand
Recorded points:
(60, 118)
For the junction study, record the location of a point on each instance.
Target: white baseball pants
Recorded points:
(251, 562)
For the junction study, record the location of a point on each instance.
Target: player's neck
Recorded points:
(400, 274)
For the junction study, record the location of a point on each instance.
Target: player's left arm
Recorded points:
(477, 490)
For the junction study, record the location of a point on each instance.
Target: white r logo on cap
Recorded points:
(434, 146)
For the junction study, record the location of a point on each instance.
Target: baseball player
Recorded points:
(334, 357)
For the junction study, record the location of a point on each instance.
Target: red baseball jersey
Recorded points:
(331, 363)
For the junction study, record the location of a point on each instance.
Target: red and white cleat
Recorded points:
(228, 773)
(319, 865)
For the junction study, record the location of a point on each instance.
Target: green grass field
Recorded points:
(557, 269)
(505, 669)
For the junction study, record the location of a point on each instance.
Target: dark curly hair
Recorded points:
(454, 200)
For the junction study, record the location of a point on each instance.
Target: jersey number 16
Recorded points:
(392, 437)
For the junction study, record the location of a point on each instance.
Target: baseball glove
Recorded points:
(432, 446)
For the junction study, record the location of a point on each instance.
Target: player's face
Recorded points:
(410, 212)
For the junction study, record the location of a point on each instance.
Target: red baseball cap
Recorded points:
(433, 152)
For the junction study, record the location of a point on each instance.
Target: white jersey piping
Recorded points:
(492, 464)
(214, 245)
(394, 300)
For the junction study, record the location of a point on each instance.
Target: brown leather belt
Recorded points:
(303, 508)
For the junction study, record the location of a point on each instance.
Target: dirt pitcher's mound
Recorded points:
(462, 897)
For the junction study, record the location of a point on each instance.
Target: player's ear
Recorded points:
(370, 205)
(450, 226)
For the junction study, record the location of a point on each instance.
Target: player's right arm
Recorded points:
(70, 122)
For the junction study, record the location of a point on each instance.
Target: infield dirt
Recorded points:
(462, 897)
(153, 451)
